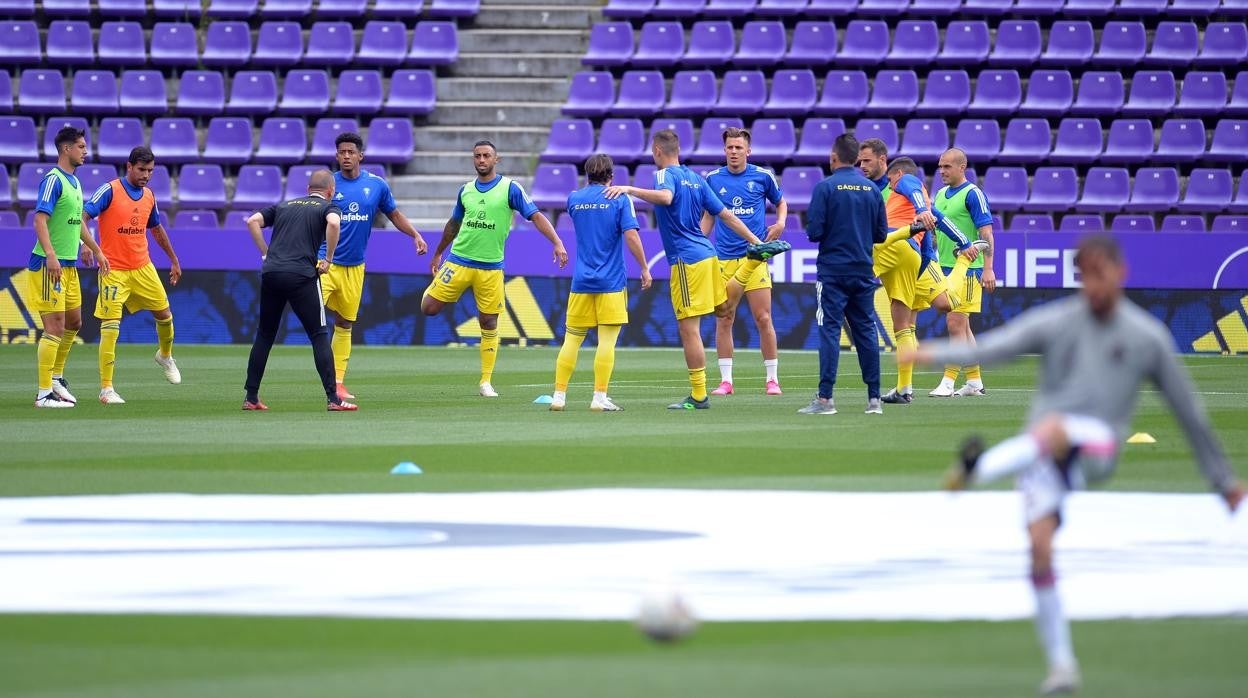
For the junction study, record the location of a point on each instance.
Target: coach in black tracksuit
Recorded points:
(291, 275)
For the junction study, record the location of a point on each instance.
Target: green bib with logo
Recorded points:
(65, 223)
(954, 208)
(486, 224)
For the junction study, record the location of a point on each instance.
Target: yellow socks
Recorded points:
(905, 371)
(341, 346)
(109, 330)
(697, 379)
(164, 336)
(489, 353)
(604, 358)
(972, 373)
(49, 347)
(62, 352)
(565, 364)
(951, 372)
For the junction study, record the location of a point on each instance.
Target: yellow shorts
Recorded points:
(971, 294)
(48, 297)
(341, 290)
(897, 265)
(697, 288)
(929, 285)
(487, 286)
(759, 278)
(134, 290)
(593, 309)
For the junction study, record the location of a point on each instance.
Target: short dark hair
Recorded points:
(68, 136)
(845, 147)
(904, 165)
(734, 132)
(875, 145)
(349, 137)
(1102, 245)
(600, 168)
(667, 141)
(141, 154)
(482, 142)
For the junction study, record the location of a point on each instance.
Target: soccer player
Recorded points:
(964, 204)
(126, 209)
(679, 198)
(873, 161)
(290, 276)
(477, 232)
(599, 297)
(746, 189)
(52, 277)
(1096, 348)
(360, 195)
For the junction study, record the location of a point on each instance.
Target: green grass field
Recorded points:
(419, 404)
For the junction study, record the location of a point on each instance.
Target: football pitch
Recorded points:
(420, 405)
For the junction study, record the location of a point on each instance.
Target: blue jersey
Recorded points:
(746, 195)
(680, 223)
(360, 199)
(103, 198)
(600, 224)
(50, 191)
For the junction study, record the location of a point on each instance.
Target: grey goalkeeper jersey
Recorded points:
(1095, 368)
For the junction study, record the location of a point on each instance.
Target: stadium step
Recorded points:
(508, 139)
(523, 40)
(443, 188)
(573, 14)
(465, 89)
(538, 114)
(539, 65)
(460, 162)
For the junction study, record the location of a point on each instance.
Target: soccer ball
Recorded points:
(664, 615)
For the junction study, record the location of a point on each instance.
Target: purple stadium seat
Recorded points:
(18, 140)
(19, 43)
(93, 176)
(397, 9)
(642, 93)
(1078, 141)
(117, 137)
(195, 219)
(1176, 223)
(390, 140)
(233, 9)
(1208, 191)
(1182, 140)
(359, 92)
(1081, 223)
(201, 186)
(773, 140)
(1122, 45)
(591, 93)
(412, 92)
(813, 44)
(227, 44)
(341, 9)
(143, 92)
(1175, 45)
(880, 8)
(1026, 140)
(1132, 224)
(1193, 8)
(831, 8)
(67, 8)
(643, 177)
(286, 9)
(620, 175)
(623, 139)
(781, 8)
(1238, 104)
(628, 9)
(610, 45)
(174, 44)
(189, 9)
(1049, 93)
(866, 43)
(278, 44)
(383, 43)
(253, 92)
(29, 175)
(8, 219)
(121, 44)
(1129, 141)
(793, 93)
(987, 8)
(330, 44)
(925, 139)
(1230, 141)
(1038, 8)
(1140, 8)
(845, 93)
(682, 127)
(1031, 223)
(41, 91)
(815, 147)
(679, 9)
(228, 141)
(1226, 45)
(743, 93)
(1156, 190)
(980, 139)
(284, 141)
(762, 44)
(123, 8)
(997, 93)
(1088, 8)
(710, 147)
(257, 186)
(966, 43)
(1152, 94)
(434, 43)
(69, 43)
(798, 183)
(1070, 44)
(456, 9)
(552, 184)
(1203, 94)
(883, 129)
(306, 93)
(914, 43)
(323, 148)
(174, 140)
(1105, 190)
(1006, 187)
(895, 91)
(94, 92)
(711, 43)
(201, 93)
(659, 45)
(1053, 189)
(1229, 224)
(948, 92)
(49, 134)
(1100, 94)
(297, 180)
(1018, 44)
(571, 140)
(729, 8)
